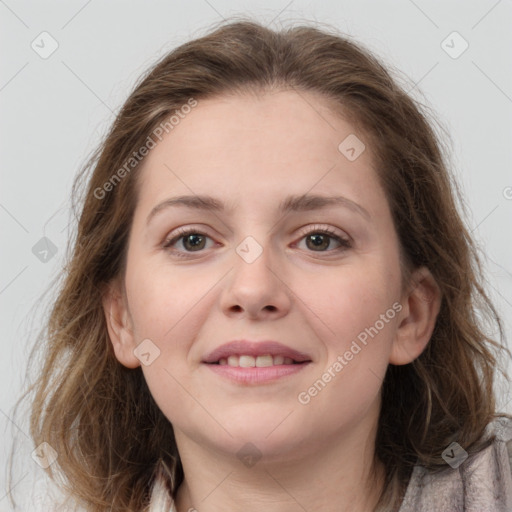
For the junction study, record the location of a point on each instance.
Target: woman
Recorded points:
(272, 301)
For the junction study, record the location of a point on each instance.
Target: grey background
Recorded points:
(54, 111)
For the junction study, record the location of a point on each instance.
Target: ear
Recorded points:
(119, 325)
(420, 307)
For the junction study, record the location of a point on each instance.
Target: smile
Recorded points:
(247, 361)
(245, 370)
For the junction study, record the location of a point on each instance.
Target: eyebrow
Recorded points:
(300, 203)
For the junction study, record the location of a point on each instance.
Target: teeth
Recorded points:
(233, 360)
(245, 361)
(264, 361)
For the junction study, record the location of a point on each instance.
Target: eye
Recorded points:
(319, 239)
(191, 240)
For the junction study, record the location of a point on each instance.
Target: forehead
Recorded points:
(273, 144)
(302, 122)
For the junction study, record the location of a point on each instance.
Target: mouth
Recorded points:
(249, 361)
(255, 354)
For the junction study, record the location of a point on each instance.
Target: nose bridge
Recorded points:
(253, 262)
(254, 286)
(254, 235)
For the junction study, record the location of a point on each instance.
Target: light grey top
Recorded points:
(480, 483)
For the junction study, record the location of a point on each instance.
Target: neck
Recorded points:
(336, 476)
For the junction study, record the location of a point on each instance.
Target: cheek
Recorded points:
(356, 315)
(164, 301)
(170, 309)
(350, 300)
(361, 328)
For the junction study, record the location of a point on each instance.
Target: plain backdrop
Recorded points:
(55, 108)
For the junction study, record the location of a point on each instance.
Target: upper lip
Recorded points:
(254, 348)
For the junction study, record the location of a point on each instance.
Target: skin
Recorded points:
(252, 151)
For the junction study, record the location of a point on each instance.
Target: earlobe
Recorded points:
(420, 308)
(119, 326)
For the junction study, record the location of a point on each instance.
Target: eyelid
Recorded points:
(325, 228)
(182, 231)
(345, 241)
(302, 232)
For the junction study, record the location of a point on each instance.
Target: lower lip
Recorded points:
(256, 375)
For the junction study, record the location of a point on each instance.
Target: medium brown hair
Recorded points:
(100, 417)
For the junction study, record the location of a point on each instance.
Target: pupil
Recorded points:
(194, 240)
(319, 241)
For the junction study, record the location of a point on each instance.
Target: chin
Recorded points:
(269, 441)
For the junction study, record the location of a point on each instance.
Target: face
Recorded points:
(320, 277)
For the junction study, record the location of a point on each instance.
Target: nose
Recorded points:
(256, 289)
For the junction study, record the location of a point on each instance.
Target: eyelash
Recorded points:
(345, 243)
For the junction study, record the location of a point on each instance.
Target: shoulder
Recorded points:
(503, 431)
(481, 482)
